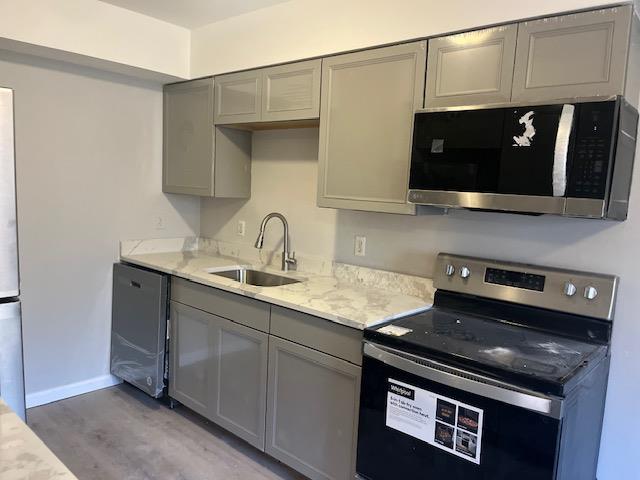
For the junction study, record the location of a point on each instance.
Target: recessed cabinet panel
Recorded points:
(239, 380)
(291, 92)
(578, 55)
(368, 100)
(188, 140)
(471, 68)
(237, 97)
(190, 357)
(312, 411)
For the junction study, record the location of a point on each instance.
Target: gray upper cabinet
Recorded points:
(291, 92)
(198, 158)
(368, 101)
(283, 93)
(312, 411)
(238, 382)
(578, 55)
(471, 68)
(188, 138)
(238, 97)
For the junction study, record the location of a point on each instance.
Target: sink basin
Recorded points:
(255, 277)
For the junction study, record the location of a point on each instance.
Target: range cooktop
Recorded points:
(535, 359)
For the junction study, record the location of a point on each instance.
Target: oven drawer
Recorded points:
(420, 416)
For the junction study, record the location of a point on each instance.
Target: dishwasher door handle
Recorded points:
(466, 381)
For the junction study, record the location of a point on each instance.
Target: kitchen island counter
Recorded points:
(23, 455)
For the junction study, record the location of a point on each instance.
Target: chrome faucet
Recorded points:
(289, 261)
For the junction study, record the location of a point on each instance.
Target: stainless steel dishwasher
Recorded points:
(139, 341)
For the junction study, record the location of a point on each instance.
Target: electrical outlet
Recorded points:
(360, 246)
(159, 223)
(241, 228)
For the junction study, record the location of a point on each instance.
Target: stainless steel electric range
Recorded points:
(505, 377)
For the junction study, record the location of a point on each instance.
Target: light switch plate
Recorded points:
(360, 246)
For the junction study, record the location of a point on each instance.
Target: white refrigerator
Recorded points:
(11, 364)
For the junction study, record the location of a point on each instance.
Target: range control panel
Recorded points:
(582, 293)
(510, 278)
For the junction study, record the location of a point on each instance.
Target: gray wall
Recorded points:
(284, 175)
(89, 156)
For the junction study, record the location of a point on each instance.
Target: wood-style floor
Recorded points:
(121, 434)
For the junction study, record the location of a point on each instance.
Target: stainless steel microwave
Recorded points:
(563, 159)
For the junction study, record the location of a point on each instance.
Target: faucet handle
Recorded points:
(290, 261)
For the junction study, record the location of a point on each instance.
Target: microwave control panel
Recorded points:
(592, 150)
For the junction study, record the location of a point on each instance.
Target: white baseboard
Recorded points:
(71, 390)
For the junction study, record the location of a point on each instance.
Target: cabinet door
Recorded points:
(291, 92)
(578, 55)
(471, 68)
(368, 101)
(188, 138)
(190, 357)
(238, 97)
(238, 387)
(312, 411)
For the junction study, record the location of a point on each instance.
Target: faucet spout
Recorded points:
(288, 258)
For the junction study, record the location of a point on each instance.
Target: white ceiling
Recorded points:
(193, 13)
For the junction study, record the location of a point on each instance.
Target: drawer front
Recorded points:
(317, 333)
(242, 310)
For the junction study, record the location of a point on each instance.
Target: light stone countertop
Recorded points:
(353, 296)
(23, 456)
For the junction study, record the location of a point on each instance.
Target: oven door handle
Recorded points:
(561, 150)
(466, 381)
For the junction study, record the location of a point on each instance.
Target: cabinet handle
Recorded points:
(135, 284)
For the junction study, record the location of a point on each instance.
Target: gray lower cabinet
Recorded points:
(578, 55)
(238, 380)
(190, 357)
(219, 370)
(368, 101)
(293, 393)
(471, 67)
(198, 158)
(312, 411)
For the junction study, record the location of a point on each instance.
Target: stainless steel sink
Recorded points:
(255, 277)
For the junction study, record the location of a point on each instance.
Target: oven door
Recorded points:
(421, 419)
(511, 159)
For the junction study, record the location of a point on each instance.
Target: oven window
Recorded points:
(509, 442)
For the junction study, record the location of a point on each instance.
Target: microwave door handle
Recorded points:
(464, 380)
(561, 151)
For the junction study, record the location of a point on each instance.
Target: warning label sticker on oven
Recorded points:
(440, 421)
